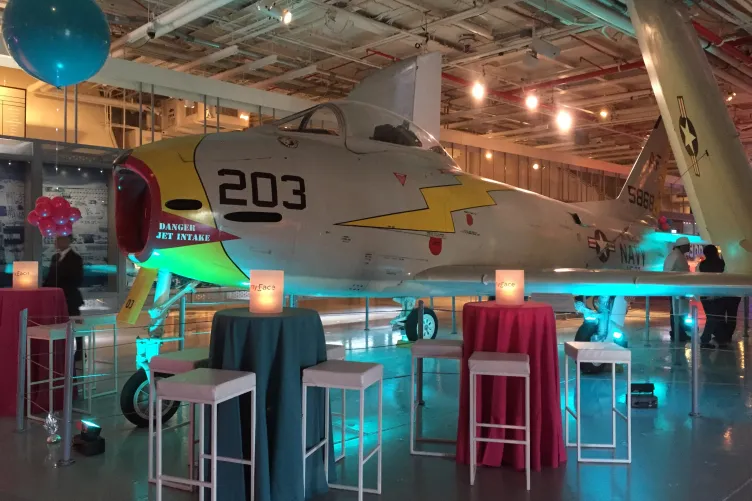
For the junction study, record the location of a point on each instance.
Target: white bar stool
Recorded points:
(599, 353)
(207, 387)
(504, 365)
(51, 333)
(347, 376)
(176, 362)
(337, 352)
(87, 325)
(428, 348)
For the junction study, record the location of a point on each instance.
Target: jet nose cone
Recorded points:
(137, 206)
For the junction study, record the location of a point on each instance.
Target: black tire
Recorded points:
(133, 388)
(411, 324)
(585, 333)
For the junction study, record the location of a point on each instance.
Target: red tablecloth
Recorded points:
(46, 306)
(530, 329)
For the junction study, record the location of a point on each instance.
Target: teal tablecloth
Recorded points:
(277, 348)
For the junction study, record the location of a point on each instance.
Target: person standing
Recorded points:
(728, 310)
(715, 320)
(677, 261)
(67, 272)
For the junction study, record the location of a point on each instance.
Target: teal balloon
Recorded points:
(60, 42)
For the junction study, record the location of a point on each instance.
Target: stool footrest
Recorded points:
(501, 441)
(224, 459)
(171, 427)
(371, 454)
(315, 448)
(500, 426)
(185, 481)
(621, 414)
(174, 485)
(571, 412)
(596, 446)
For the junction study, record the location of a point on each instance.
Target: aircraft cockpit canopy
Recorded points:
(361, 121)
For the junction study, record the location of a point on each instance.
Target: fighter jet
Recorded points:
(352, 199)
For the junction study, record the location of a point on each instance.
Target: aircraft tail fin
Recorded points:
(641, 194)
(410, 87)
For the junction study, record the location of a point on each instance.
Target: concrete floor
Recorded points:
(674, 456)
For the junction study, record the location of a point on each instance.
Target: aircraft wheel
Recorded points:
(585, 333)
(134, 401)
(430, 324)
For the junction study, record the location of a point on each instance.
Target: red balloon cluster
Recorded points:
(664, 223)
(54, 217)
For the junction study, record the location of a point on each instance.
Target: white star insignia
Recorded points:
(688, 136)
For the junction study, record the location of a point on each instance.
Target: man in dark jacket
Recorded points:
(67, 272)
(713, 306)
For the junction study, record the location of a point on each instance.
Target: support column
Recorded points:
(65, 114)
(32, 191)
(140, 113)
(75, 114)
(647, 322)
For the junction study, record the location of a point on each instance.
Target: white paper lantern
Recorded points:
(267, 291)
(25, 275)
(510, 287)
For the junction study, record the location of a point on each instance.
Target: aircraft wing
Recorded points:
(599, 282)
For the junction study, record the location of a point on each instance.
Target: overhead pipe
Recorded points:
(540, 85)
(609, 70)
(166, 22)
(513, 98)
(718, 41)
(624, 24)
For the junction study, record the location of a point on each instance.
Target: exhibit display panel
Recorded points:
(12, 215)
(85, 188)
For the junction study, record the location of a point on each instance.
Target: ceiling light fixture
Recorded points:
(564, 120)
(478, 91)
(531, 101)
(536, 166)
(604, 113)
(489, 155)
(282, 15)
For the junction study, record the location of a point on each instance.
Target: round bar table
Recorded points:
(46, 305)
(531, 329)
(276, 347)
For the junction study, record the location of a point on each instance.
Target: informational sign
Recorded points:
(177, 231)
(12, 212)
(25, 275)
(267, 290)
(510, 287)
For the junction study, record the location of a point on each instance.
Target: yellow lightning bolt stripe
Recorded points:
(472, 192)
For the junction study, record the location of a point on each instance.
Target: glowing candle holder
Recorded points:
(510, 287)
(25, 275)
(266, 291)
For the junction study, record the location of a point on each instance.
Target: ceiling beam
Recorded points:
(285, 77)
(209, 58)
(166, 23)
(246, 68)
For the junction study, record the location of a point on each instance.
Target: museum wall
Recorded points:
(44, 113)
(552, 179)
